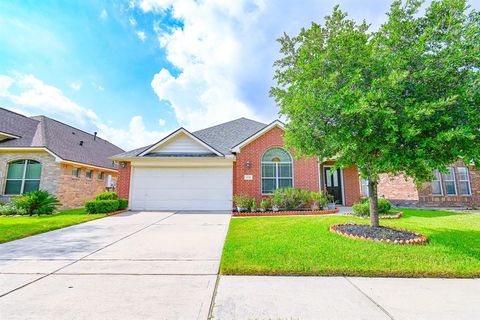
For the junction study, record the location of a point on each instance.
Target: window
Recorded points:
(449, 179)
(277, 170)
(463, 181)
(76, 172)
(89, 174)
(437, 183)
(23, 176)
(100, 175)
(364, 187)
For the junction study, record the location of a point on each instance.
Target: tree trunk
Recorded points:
(373, 198)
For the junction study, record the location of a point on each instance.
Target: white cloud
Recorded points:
(76, 86)
(132, 21)
(141, 35)
(28, 95)
(104, 14)
(161, 122)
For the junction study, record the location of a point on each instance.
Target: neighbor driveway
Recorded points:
(136, 265)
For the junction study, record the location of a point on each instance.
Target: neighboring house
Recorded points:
(202, 170)
(42, 153)
(459, 187)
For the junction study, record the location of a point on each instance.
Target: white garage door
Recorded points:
(181, 189)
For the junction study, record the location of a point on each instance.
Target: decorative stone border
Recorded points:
(116, 212)
(420, 239)
(284, 213)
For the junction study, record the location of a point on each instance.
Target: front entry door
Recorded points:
(333, 184)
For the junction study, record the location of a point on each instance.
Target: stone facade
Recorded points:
(49, 175)
(465, 201)
(57, 179)
(74, 191)
(400, 190)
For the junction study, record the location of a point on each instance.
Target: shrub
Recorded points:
(10, 209)
(106, 206)
(319, 200)
(242, 201)
(363, 208)
(107, 196)
(36, 202)
(253, 205)
(122, 204)
(292, 198)
(90, 206)
(265, 204)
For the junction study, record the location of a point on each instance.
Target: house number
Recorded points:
(248, 177)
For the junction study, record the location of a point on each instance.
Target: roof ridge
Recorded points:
(223, 123)
(17, 113)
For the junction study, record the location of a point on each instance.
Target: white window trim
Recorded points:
(276, 171)
(468, 182)
(452, 170)
(24, 175)
(441, 185)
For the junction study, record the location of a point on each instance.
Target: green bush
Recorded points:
(242, 201)
(319, 200)
(36, 202)
(292, 198)
(107, 196)
(10, 209)
(122, 204)
(90, 206)
(265, 204)
(363, 208)
(106, 206)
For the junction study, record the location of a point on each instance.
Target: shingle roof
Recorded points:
(60, 138)
(221, 137)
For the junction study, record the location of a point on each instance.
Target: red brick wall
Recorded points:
(398, 189)
(305, 170)
(427, 199)
(123, 181)
(351, 183)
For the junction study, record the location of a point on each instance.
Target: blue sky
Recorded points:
(135, 70)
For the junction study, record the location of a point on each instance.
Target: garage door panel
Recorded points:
(181, 189)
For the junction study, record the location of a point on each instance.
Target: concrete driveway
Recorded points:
(137, 265)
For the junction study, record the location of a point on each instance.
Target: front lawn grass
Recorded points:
(16, 227)
(305, 246)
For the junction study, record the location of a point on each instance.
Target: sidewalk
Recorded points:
(269, 297)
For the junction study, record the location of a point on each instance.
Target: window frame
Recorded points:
(24, 179)
(100, 175)
(277, 164)
(439, 180)
(454, 180)
(78, 170)
(91, 174)
(467, 174)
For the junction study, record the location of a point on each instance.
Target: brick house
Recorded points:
(42, 153)
(459, 187)
(202, 170)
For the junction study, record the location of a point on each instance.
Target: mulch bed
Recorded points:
(380, 234)
(284, 213)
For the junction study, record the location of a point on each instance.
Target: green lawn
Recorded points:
(12, 228)
(305, 246)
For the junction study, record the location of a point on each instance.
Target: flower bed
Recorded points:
(284, 213)
(379, 234)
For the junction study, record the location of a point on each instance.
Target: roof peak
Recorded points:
(223, 123)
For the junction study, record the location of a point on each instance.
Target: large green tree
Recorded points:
(404, 98)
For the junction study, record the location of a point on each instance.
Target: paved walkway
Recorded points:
(147, 265)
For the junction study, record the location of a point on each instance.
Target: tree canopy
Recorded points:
(404, 98)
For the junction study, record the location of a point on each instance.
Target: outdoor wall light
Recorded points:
(124, 164)
(248, 165)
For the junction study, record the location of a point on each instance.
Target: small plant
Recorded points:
(277, 201)
(292, 198)
(106, 206)
(107, 196)
(362, 208)
(242, 201)
(122, 204)
(330, 201)
(36, 202)
(319, 200)
(10, 209)
(264, 204)
(253, 205)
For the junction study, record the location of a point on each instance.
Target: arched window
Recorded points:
(23, 176)
(277, 170)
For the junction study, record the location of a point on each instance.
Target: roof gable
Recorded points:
(180, 142)
(261, 132)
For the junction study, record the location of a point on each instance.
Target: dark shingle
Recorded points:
(60, 138)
